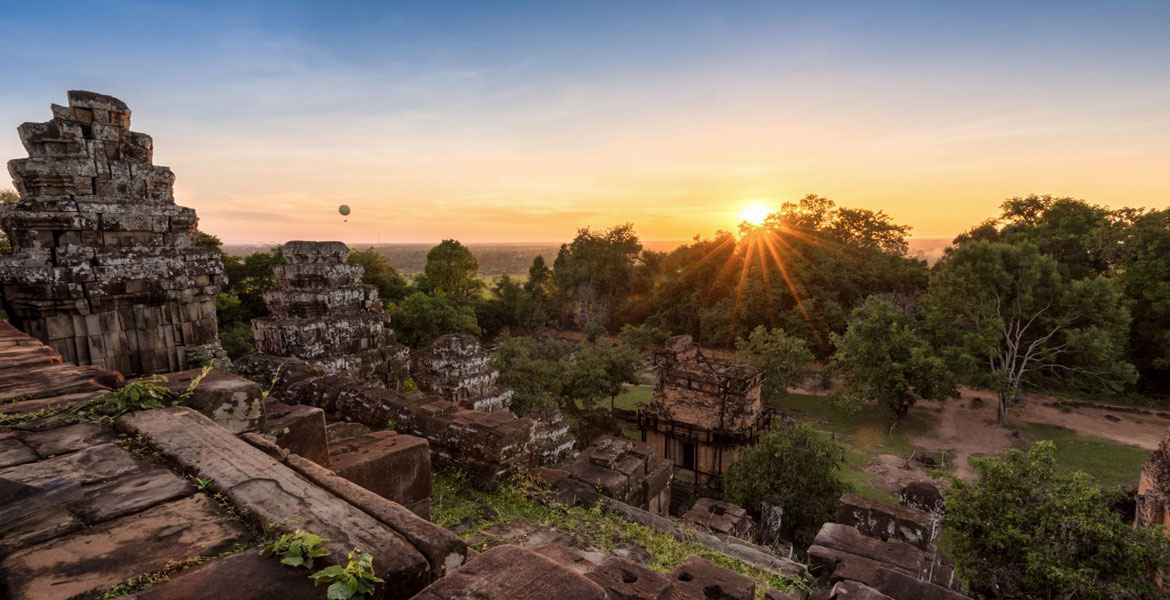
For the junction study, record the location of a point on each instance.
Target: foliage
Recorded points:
(599, 369)
(641, 337)
(784, 360)
(206, 240)
(534, 370)
(7, 197)
(798, 467)
(883, 356)
(1026, 529)
(595, 273)
(242, 298)
(422, 318)
(297, 549)
(391, 286)
(1010, 319)
(355, 579)
(510, 307)
(452, 270)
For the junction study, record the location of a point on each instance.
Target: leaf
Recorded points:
(338, 591)
(292, 561)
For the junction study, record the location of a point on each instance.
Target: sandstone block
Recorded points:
(297, 428)
(233, 402)
(242, 576)
(512, 573)
(626, 580)
(698, 579)
(392, 465)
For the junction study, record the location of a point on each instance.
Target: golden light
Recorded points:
(755, 214)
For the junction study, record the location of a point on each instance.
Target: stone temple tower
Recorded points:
(104, 266)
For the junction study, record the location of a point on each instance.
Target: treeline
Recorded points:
(1085, 291)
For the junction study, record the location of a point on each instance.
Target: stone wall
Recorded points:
(104, 266)
(1153, 495)
(324, 315)
(628, 471)
(457, 370)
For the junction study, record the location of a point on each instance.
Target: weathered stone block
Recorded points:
(233, 402)
(392, 465)
(87, 466)
(129, 493)
(64, 440)
(699, 579)
(626, 580)
(512, 573)
(242, 576)
(298, 428)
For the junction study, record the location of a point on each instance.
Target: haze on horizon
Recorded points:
(513, 122)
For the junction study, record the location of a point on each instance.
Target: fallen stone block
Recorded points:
(512, 573)
(881, 520)
(298, 428)
(232, 401)
(904, 587)
(852, 590)
(848, 539)
(129, 493)
(700, 579)
(72, 438)
(242, 576)
(566, 556)
(13, 452)
(275, 494)
(627, 580)
(87, 466)
(345, 429)
(96, 560)
(393, 465)
(444, 550)
(720, 517)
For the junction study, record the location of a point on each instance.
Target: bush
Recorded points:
(799, 468)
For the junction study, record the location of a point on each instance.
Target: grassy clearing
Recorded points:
(455, 502)
(633, 397)
(1110, 462)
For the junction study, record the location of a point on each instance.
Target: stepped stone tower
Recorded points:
(457, 370)
(104, 266)
(324, 315)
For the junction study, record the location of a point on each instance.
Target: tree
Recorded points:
(597, 270)
(452, 270)
(1027, 529)
(377, 272)
(597, 370)
(799, 468)
(422, 318)
(206, 240)
(641, 337)
(510, 307)
(1010, 319)
(784, 360)
(7, 197)
(534, 370)
(883, 356)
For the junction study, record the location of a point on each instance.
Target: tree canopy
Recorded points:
(1010, 319)
(1028, 529)
(798, 468)
(452, 270)
(784, 360)
(884, 356)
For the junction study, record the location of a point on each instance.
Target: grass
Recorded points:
(455, 502)
(633, 397)
(1111, 463)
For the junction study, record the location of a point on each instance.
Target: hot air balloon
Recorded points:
(344, 210)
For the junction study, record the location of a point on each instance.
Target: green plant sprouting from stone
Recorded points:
(297, 549)
(355, 580)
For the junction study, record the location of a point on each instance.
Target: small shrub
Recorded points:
(297, 549)
(355, 580)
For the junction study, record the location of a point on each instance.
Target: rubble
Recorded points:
(628, 471)
(105, 268)
(721, 517)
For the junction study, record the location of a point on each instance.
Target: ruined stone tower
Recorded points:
(457, 370)
(702, 412)
(323, 314)
(1153, 494)
(104, 266)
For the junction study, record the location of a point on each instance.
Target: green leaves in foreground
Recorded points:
(355, 580)
(297, 549)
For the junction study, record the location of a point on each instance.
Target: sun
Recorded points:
(755, 214)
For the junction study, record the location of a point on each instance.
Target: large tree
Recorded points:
(421, 318)
(784, 360)
(1011, 319)
(799, 467)
(452, 270)
(1028, 529)
(7, 197)
(884, 356)
(596, 271)
(376, 271)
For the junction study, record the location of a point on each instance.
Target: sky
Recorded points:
(511, 121)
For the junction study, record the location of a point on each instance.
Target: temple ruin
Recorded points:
(323, 314)
(701, 412)
(104, 266)
(457, 370)
(1153, 493)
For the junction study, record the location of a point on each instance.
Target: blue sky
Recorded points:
(523, 121)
